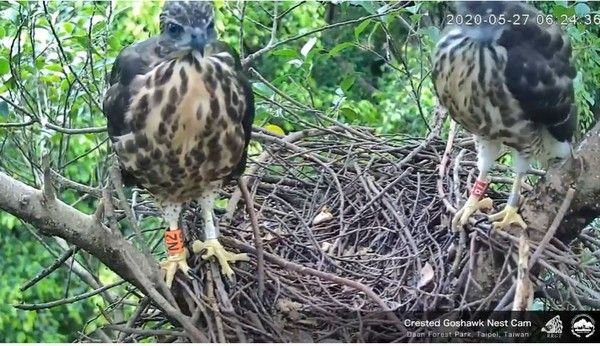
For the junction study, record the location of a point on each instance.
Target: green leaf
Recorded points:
(221, 203)
(2, 32)
(360, 28)
(4, 66)
(68, 26)
(369, 6)
(433, 33)
(50, 79)
(114, 43)
(83, 40)
(340, 47)
(349, 113)
(263, 89)
(40, 62)
(347, 83)
(54, 67)
(286, 52)
(416, 18)
(559, 11)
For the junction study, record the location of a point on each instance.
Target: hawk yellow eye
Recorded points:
(174, 29)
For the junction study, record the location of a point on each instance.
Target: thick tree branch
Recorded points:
(581, 173)
(59, 219)
(55, 218)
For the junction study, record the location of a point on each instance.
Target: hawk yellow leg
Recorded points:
(510, 214)
(487, 151)
(176, 252)
(172, 264)
(472, 205)
(211, 244)
(215, 249)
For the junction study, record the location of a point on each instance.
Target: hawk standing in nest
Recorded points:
(180, 113)
(510, 84)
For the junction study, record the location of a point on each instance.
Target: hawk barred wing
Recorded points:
(134, 60)
(248, 116)
(539, 73)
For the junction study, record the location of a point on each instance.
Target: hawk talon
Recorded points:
(471, 206)
(508, 216)
(215, 249)
(174, 263)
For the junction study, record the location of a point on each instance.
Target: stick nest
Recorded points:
(352, 224)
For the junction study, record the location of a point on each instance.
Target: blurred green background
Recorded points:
(362, 63)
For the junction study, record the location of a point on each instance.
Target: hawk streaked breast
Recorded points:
(180, 112)
(509, 84)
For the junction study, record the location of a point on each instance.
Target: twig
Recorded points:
(248, 60)
(260, 261)
(145, 332)
(523, 290)
(309, 271)
(47, 271)
(67, 300)
(562, 210)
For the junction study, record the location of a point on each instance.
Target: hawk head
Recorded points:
(481, 8)
(186, 26)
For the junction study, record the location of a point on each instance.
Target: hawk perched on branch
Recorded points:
(508, 84)
(180, 113)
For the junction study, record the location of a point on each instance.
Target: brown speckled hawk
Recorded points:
(509, 81)
(179, 113)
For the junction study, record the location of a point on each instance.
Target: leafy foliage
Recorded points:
(361, 63)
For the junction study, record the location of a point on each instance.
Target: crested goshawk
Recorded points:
(506, 76)
(180, 112)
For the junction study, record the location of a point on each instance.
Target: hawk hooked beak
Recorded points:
(198, 42)
(199, 39)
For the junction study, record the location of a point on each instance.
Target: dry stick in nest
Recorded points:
(144, 303)
(459, 248)
(260, 260)
(320, 274)
(538, 252)
(165, 301)
(212, 301)
(553, 226)
(524, 289)
(264, 156)
(443, 164)
(145, 332)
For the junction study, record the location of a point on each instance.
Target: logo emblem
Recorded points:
(554, 327)
(583, 325)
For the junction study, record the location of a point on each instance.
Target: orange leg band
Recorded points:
(479, 188)
(174, 241)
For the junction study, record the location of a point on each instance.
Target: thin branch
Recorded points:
(67, 300)
(145, 332)
(269, 47)
(564, 207)
(47, 271)
(260, 261)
